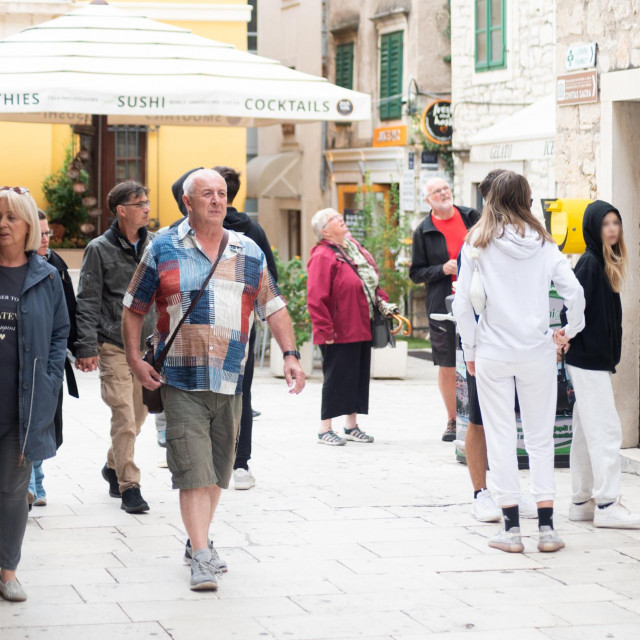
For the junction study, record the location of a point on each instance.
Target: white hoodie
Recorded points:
(516, 273)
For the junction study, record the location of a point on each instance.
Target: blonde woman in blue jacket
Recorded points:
(34, 325)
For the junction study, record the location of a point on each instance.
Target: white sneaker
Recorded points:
(484, 509)
(582, 512)
(549, 540)
(527, 507)
(616, 516)
(243, 479)
(508, 541)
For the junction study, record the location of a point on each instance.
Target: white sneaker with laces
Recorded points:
(582, 512)
(484, 508)
(549, 540)
(616, 516)
(509, 541)
(243, 479)
(527, 507)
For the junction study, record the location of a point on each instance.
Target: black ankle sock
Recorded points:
(511, 517)
(545, 517)
(604, 506)
(476, 493)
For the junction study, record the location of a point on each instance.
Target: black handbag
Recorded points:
(566, 397)
(381, 326)
(152, 398)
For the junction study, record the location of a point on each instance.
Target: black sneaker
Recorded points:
(133, 502)
(110, 476)
(449, 434)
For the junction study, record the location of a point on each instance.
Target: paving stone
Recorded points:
(583, 613)
(39, 614)
(594, 632)
(122, 631)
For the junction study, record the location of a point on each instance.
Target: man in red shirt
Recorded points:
(436, 244)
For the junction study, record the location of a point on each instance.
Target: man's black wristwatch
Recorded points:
(295, 354)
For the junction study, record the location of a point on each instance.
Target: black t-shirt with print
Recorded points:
(11, 281)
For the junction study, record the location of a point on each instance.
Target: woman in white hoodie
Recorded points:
(511, 346)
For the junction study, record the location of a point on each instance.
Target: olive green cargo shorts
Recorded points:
(202, 436)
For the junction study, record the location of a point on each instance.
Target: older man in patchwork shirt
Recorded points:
(202, 384)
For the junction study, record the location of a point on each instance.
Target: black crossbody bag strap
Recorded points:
(159, 361)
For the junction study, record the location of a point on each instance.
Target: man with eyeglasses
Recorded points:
(107, 268)
(436, 244)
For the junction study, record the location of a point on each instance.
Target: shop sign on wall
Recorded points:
(390, 136)
(437, 122)
(577, 88)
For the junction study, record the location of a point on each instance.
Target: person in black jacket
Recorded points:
(240, 222)
(591, 359)
(436, 244)
(36, 488)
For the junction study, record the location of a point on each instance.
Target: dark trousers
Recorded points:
(243, 454)
(347, 370)
(14, 506)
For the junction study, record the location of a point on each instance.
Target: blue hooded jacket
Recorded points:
(43, 328)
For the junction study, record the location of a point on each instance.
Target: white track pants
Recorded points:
(536, 383)
(597, 437)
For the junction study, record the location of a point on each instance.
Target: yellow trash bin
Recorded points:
(566, 223)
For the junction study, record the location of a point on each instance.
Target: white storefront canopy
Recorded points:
(528, 134)
(102, 60)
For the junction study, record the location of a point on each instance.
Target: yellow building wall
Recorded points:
(33, 151)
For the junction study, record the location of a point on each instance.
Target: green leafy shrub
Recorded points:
(292, 281)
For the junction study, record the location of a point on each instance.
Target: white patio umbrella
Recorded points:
(101, 60)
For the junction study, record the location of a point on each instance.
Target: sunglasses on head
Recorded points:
(20, 190)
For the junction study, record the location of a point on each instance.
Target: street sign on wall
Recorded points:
(581, 56)
(390, 136)
(577, 88)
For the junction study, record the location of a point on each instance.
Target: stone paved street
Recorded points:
(365, 541)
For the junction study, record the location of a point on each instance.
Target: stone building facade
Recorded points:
(598, 147)
(491, 129)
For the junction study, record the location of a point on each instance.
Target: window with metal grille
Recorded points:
(344, 65)
(129, 156)
(490, 35)
(391, 51)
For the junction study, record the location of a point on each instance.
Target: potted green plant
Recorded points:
(386, 235)
(292, 281)
(64, 191)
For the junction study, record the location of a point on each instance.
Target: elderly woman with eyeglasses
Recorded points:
(37, 492)
(342, 287)
(34, 325)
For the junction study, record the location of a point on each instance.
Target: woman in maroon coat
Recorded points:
(342, 287)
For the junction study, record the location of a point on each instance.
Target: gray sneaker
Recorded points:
(203, 574)
(12, 591)
(508, 541)
(549, 540)
(218, 563)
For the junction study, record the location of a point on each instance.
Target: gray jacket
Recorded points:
(108, 265)
(43, 327)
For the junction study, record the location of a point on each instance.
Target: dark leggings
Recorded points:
(14, 506)
(243, 455)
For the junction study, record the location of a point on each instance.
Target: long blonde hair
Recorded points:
(615, 262)
(509, 203)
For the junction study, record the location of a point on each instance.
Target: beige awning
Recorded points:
(274, 176)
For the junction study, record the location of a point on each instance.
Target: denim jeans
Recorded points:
(37, 476)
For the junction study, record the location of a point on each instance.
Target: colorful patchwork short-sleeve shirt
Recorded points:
(210, 350)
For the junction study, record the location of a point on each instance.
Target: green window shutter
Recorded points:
(391, 53)
(490, 28)
(344, 65)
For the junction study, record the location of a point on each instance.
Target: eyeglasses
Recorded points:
(437, 192)
(331, 219)
(47, 234)
(140, 205)
(20, 190)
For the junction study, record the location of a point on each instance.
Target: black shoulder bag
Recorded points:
(151, 397)
(381, 327)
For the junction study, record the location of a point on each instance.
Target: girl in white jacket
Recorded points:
(511, 347)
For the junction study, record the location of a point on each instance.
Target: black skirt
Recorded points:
(347, 369)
